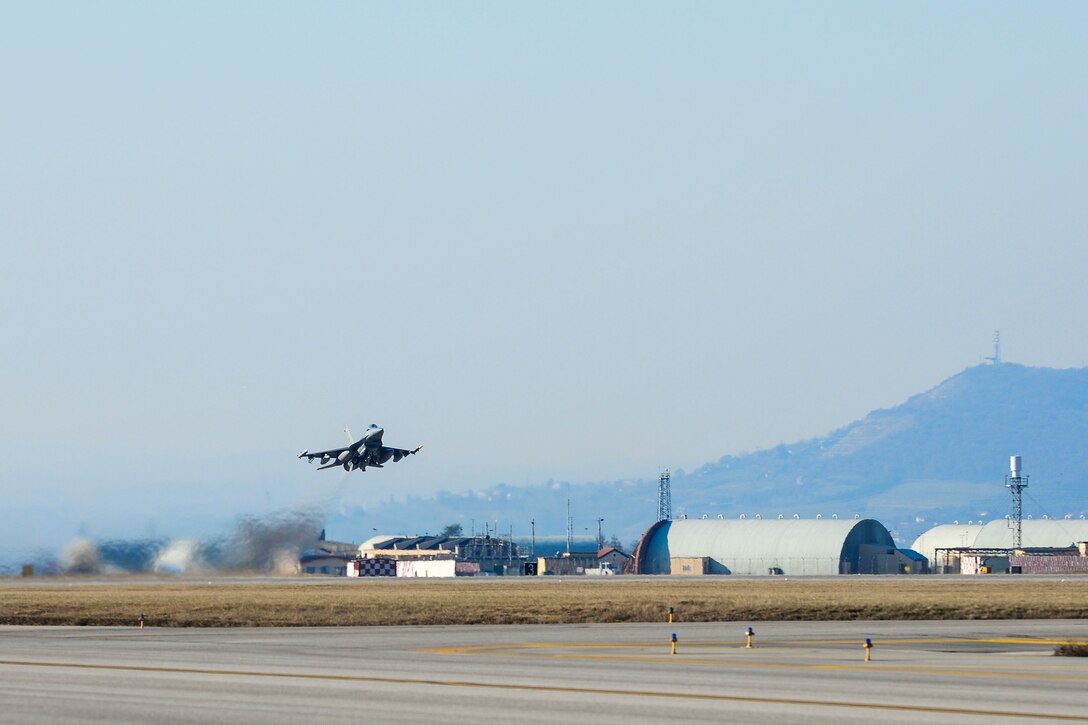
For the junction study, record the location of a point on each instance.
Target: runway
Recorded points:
(944, 671)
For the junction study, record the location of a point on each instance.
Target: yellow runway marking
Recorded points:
(554, 688)
(541, 650)
(769, 644)
(871, 667)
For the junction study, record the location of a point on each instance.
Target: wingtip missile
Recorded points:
(301, 455)
(416, 449)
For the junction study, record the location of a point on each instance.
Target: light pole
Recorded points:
(600, 536)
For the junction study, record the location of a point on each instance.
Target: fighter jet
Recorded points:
(367, 451)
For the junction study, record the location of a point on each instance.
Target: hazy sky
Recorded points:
(549, 241)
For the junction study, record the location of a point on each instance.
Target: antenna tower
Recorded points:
(996, 357)
(1016, 483)
(664, 497)
(570, 528)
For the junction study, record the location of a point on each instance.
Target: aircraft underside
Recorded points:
(367, 452)
(363, 459)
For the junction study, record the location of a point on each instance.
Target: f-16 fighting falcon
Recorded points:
(367, 451)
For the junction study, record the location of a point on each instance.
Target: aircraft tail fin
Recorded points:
(347, 432)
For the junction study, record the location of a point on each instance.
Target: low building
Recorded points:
(569, 563)
(489, 555)
(984, 564)
(879, 559)
(1073, 560)
(916, 563)
(689, 565)
(1036, 560)
(427, 568)
(613, 558)
(326, 564)
(329, 558)
(372, 566)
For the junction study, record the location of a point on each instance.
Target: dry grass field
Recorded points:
(344, 602)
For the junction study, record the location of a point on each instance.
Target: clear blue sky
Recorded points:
(549, 241)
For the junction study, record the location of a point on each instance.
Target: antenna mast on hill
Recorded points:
(996, 357)
(1016, 483)
(664, 497)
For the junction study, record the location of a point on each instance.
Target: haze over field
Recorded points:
(551, 243)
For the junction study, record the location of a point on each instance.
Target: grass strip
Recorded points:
(350, 602)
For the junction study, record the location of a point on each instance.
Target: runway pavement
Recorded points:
(975, 671)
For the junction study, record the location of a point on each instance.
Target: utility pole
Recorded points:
(600, 535)
(532, 523)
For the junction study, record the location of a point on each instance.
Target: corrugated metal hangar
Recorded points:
(774, 546)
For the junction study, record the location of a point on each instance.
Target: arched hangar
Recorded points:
(773, 546)
(999, 534)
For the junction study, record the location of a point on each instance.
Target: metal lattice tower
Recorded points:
(570, 528)
(1016, 483)
(664, 497)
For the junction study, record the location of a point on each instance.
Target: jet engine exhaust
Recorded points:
(268, 543)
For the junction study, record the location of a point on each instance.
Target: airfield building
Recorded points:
(324, 563)
(989, 547)
(770, 547)
(473, 554)
(330, 558)
(568, 564)
(613, 558)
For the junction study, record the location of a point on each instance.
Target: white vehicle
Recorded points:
(605, 569)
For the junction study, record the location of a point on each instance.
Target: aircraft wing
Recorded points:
(331, 453)
(399, 453)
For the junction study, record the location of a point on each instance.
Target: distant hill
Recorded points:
(940, 456)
